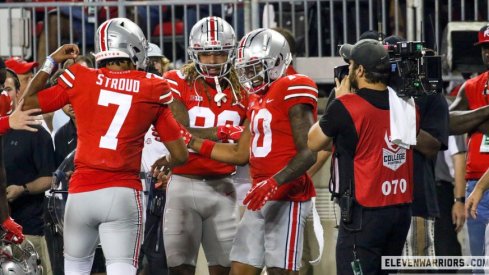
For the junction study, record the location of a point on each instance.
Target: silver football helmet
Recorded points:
(19, 259)
(263, 55)
(121, 38)
(211, 35)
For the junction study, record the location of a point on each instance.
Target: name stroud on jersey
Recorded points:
(121, 84)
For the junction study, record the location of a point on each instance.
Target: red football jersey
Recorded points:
(272, 142)
(113, 110)
(476, 94)
(203, 112)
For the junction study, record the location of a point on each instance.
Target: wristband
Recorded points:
(459, 199)
(26, 191)
(206, 148)
(48, 65)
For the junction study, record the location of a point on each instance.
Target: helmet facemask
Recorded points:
(212, 36)
(253, 75)
(263, 57)
(212, 70)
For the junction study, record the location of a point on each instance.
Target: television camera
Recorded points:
(415, 70)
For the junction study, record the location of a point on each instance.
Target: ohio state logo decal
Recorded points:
(393, 156)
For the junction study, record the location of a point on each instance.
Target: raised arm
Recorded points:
(317, 139)
(63, 53)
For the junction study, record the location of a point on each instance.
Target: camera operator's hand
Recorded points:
(342, 88)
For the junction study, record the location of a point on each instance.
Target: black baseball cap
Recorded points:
(367, 52)
(370, 34)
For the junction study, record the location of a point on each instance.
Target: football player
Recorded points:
(281, 110)
(201, 203)
(114, 106)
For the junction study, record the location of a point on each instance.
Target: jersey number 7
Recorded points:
(109, 140)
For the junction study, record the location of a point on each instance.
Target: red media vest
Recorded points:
(383, 172)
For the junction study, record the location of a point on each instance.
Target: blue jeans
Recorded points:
(477, 227)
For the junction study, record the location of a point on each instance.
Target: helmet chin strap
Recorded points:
(220, 96)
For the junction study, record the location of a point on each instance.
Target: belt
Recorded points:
(205, 177)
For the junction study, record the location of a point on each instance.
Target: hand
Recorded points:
(472, 201)
(260, 194)
(228, 131)
(186, 135)
(155, 134)
(13, 231)
(66, 51)
(23, 120)
(13, 192)
(458, 216)
(342, 88)
(161, 172)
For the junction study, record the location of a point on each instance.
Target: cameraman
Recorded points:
(433, 137)
(373, 223)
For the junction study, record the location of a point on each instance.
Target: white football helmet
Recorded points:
(121, 38)
(263, 55)
(212, 34)
(19, 259)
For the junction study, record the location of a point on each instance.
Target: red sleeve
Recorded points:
(52, 99)
(300, 89)
(4, 125)
(172, 79)
(68, 78)
(5, 103)
(167, 127)
(165, 95)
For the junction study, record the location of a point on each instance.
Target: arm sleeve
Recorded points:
(44, 153)
(53, 98)
(165, 96)
(334, 119)
(301, 90)
(331, 98)
(56, 97)
(173, 84)
(167, 127)
(456, 144)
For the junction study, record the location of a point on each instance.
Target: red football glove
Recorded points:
(186, 135)
(228, 131)
(13, 231)
(260, 194)
(155, 134)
